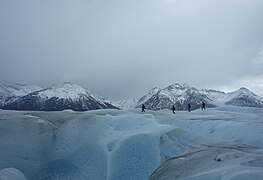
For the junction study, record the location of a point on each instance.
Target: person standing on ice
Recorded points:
(203, 106)
(189, 107)
(143, 108)
(173, 108)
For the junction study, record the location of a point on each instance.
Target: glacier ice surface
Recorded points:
(224, 142)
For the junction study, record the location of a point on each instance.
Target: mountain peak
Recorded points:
(244, 89)
(64, 90)
(182, 94)
(178, 86)
(174, 86)
(60, 96)
(154, 90)
(15, 89)
(65, 84)
(242, 92)
(9, 91)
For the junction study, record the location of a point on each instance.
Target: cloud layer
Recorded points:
(121, 48)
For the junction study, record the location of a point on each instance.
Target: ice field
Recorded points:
(218, 143)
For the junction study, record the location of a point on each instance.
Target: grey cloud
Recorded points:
(121, 48)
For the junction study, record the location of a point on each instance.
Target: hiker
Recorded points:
(189, 107)
(143, 108)
(173, 108)
(203, 106)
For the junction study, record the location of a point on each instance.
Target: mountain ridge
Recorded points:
(59, 97)
(9, 91)
(180, 95)
(68, 95)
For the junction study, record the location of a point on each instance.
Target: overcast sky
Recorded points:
(122, 48)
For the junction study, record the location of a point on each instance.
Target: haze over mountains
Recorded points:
(68, 95)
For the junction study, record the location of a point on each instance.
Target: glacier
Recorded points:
(219, 143)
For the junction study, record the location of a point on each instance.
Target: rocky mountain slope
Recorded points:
(60, 97)
(10, 92)
(181, 95)
(72, 96)
(244, 97)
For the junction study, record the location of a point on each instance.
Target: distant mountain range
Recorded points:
(68, 95)
(181, 95)
(10, 92)
(59, 97)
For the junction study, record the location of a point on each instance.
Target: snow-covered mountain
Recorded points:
(125, 104)
(181, 95)
(244, 97)
(135, 102)
(10, 92)
(71, 96)
(215, 95)
(149, 95)
(178, 95)
(175, 94)
(58, 97)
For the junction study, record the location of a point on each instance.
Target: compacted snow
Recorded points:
(218, 143)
